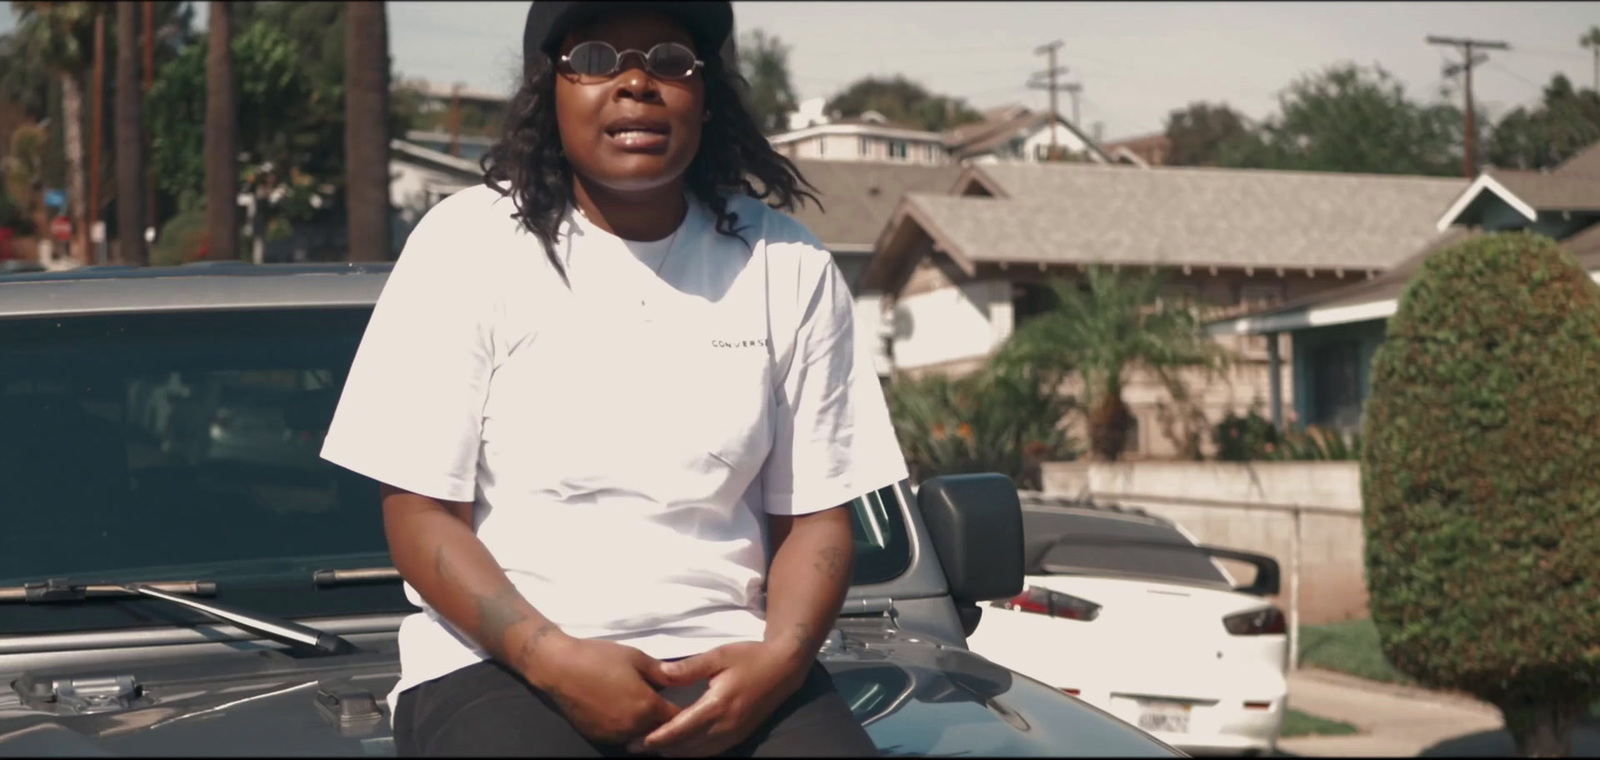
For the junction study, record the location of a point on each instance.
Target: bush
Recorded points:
(182, 239)
(1315, 444)
(1005, 421)
(1244, 438)
(1482, 517)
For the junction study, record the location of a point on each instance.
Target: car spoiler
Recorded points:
(1268, 580)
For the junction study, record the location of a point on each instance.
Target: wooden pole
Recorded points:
(90, 256)
(152, 214)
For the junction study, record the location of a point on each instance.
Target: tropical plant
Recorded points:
(221, 135)
(1482, 510)
(366, 131)
(1105, 327)
(1315, 444)
(995, 420)
(60, 37)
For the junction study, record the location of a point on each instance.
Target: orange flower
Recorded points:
(964, 430)
(938, 432)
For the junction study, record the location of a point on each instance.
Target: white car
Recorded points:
(1126, 611)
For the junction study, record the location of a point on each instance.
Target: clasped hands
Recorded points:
(609, 693)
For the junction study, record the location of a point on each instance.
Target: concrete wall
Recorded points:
(951, 323)
(1332, 562)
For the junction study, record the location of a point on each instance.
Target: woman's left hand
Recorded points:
(747, 683)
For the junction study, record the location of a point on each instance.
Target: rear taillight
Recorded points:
(1260, 622)
(1053, 603)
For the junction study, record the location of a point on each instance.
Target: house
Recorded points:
(1016, 133)
(869, 137)
(1009, 134)
(959, 270)
(1336, 333)
(420, 177)
(857, 199)
(1145, 150)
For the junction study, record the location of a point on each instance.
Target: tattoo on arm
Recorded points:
(833, 562)
(497, 613)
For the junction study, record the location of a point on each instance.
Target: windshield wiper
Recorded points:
(280, 630)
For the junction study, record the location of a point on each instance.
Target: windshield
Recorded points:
(186, 446)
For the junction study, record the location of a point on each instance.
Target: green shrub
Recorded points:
(1481, 483)
(1315, 444)
(1244, 438)
(1005, 421)
(182, 239)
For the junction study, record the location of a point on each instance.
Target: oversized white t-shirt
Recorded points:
(621, 441)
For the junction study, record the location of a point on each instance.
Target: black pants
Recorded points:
(487, 709)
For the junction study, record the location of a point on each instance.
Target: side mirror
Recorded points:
(975, 522)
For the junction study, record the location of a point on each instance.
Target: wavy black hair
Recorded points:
(527, 163)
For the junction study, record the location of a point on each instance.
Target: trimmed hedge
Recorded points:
(1481, 480)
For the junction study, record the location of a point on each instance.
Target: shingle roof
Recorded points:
(1073, 213)
(1551, 191)
(858, 197)
(1586, 162)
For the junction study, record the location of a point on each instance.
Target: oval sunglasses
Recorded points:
(666, 60)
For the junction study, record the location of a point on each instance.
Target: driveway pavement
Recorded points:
(1397, 721)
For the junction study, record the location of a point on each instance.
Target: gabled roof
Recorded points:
(1081, 213)
(1379, 298)
(445, 161)
(859, 196)
(1572, 186)
(1026, 123)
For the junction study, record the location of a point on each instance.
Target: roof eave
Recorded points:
(1484, 184)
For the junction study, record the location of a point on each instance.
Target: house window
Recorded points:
(897, 149)
(866, 147)
(927, 153)
(1132, 445)
(822, 146)
(1336, 384)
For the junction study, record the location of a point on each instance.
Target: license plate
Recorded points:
(1166, 717)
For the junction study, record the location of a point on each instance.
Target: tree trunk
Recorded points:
(1543, 729)
(130, 139)
(366, 130)
(72, 133)
(1108, 426)
(222, 138)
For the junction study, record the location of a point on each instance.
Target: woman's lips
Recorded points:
(638, 140)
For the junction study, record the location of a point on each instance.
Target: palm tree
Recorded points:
(1591, 41)
(366, 130)
(222, 138)
(130, 138)
(1103, 329)
(60, 37)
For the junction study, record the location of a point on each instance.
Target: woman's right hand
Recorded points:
(606, 689)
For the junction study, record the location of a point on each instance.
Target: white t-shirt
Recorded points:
(621, 442)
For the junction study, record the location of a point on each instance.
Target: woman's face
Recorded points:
(601, 118)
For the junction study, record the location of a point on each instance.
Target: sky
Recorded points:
(1136, 61)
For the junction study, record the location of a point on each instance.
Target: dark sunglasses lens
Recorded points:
(592, 58)
(671, 60)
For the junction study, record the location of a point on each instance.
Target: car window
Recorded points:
(188, 445)
(1091, 547)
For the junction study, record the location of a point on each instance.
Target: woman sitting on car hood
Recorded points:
(611, 399)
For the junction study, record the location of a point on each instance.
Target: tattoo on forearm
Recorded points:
(497, 612)
(833, 562)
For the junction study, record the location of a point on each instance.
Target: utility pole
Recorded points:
(1469, 60)
(1049, 84)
